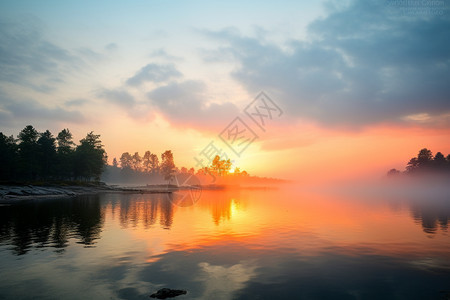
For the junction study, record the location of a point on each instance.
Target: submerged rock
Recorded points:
(167, 293)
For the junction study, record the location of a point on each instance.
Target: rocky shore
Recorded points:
(10, 193)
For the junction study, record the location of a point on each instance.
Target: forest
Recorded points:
(151, 168)
(425, 163)
(40, 156)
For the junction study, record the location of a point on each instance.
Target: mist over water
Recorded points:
(278, 243)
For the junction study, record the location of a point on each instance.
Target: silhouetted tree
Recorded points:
(393, 172)
(90, 157)
(115, 163)
(425, 163)
(37, 155)
(439, 162)
(65, 154)
(125, 160)
(65, 142)
(146, 164)
(8, 157)
(28, 152)
(46, 151)
(204, 171)
(412, 165)
(167, 165)
(136, 161)
(154, 163)
(424, 158)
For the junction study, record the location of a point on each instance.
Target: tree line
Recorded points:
(147, 164)
(134, 168)
(150, 163)
(221, 167)
(37, 155)
(425, 163)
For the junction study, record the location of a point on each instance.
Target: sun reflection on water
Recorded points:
(224, 244)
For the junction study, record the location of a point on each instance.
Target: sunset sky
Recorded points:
(361, 86)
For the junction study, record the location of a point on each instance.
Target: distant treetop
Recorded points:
(425, 163)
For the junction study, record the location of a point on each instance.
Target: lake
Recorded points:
(229, 244)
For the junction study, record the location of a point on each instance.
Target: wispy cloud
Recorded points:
(26, 55)
(120, 97)
(154, 73)
(31, 111)
(76, 102)
(363, 64)
(162, 53)
(111, 47)
(29, 59)
(186, 104)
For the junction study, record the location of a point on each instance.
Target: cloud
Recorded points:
(28, 59)
(89, 55)
(119, 97)
(183, 103)
(226, 281)
(5, 118)
(186, 104)
(161, 53)
(111, 47)
(365, 63)
(26, 55)
(76, 102)
(154, 73)
(32, 111)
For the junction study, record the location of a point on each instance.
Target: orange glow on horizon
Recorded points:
(332, 155)
(304, 152)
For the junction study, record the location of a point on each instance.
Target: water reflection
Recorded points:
(233, 244)
(432, 213)
(51, 223)
(221, 205)
(228, 271)
(135, 209)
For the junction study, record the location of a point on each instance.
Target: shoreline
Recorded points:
(12, 193)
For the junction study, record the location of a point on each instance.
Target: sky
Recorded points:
(350, 88)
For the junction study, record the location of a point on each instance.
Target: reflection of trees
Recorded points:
(88, 219)
(50, 223)
(220, 203)
(147, 209)
(166, 217)
(221, 210)
(53, 223)
(432, 214)
(135, 209)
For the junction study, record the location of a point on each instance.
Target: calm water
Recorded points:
(247, 244)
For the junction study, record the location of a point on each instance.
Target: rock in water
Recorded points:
(167, 293)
